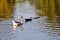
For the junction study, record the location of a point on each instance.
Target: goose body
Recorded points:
(27, 20)
(16, 23)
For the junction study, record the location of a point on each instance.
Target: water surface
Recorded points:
(37, 29)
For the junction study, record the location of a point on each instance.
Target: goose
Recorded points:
(29, 19)
(18, 23)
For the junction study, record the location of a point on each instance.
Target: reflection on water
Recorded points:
(54, 27)
(37, 29)
(56, 30)
(14, 27)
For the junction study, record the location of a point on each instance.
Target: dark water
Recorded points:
(37, 29)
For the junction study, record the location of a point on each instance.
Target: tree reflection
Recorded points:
(6, 9)
(51, 9)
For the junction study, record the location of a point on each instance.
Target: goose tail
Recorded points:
(14, 23)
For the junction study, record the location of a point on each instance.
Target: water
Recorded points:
(37, 29)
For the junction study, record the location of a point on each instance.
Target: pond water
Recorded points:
(37, 29)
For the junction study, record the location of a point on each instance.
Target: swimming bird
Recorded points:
(28, 19)
(16, 23)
